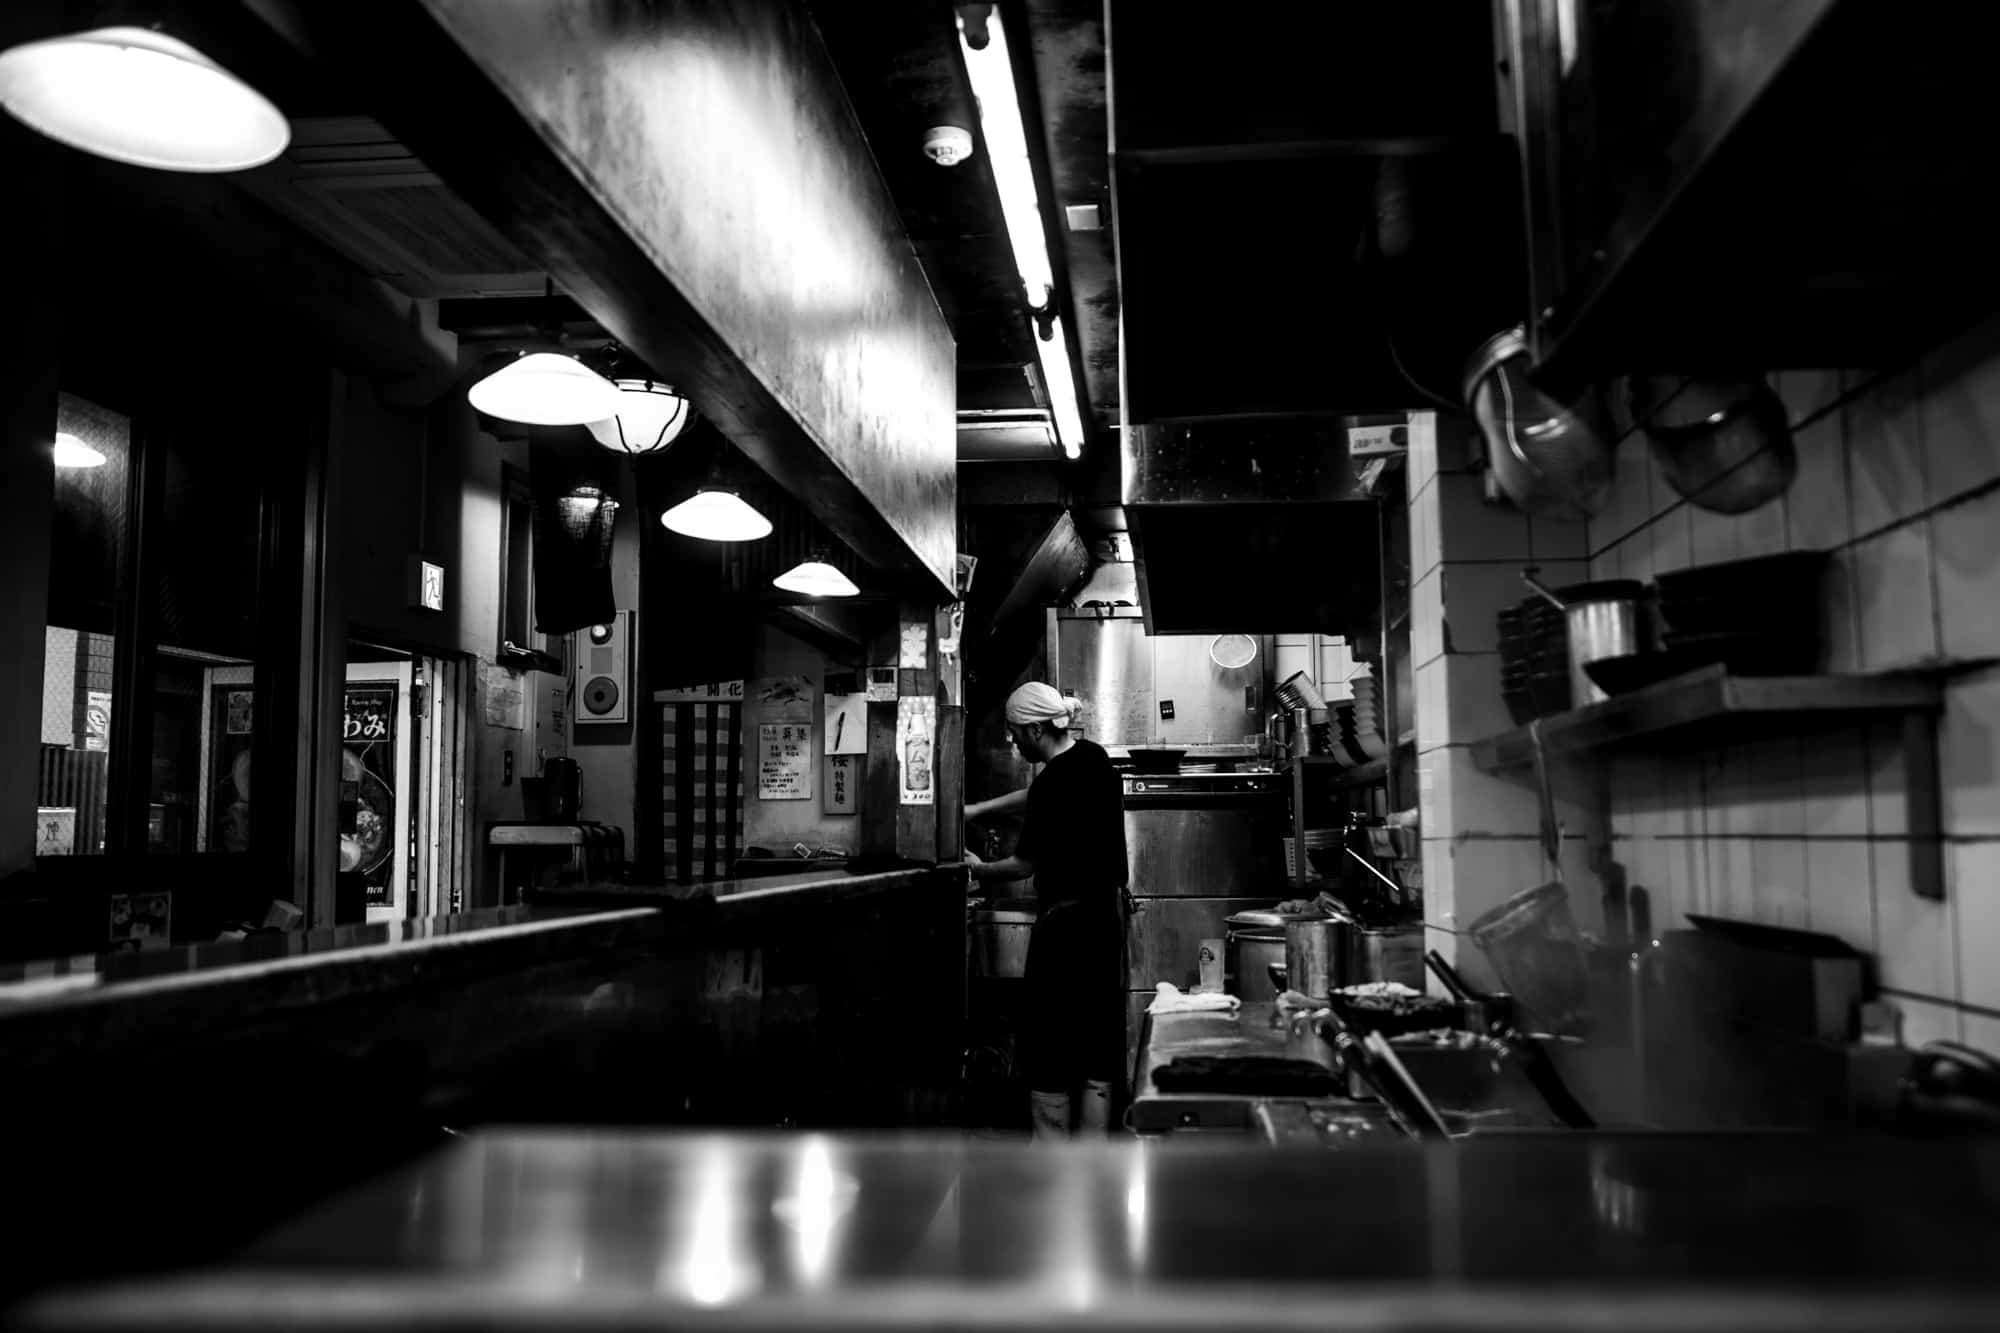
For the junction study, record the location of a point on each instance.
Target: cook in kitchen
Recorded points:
(1073, 842)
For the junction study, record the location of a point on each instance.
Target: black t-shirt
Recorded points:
(1075, 827)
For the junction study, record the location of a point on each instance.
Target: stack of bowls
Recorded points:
(1534, 659)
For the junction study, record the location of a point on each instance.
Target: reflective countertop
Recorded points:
(557, 1228)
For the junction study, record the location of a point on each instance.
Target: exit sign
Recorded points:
(426, 584)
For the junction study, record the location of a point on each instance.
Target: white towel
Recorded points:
(1171, 999)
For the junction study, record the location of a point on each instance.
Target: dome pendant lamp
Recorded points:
(650, 416)
(141, 97)
(546, 389)
(816, 578)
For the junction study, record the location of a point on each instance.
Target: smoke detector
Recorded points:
(947, 145)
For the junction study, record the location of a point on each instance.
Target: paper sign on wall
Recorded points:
(784, 698)
(715, 692)
(843, 780)
(882, 685)
(784, 761)
(916, 645)
(916, 733)
(847, 724)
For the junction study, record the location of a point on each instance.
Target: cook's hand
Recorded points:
(972, 858)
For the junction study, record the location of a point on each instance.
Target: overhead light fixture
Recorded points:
(138, 96)
(546, 389)
(716, 515)
(72, 452)
(991, 70)
(650, 416)
(816, 578)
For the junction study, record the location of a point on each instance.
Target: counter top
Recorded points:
(522, 1229)
(313, 966)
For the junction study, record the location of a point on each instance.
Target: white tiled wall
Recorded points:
(1480, 844)
(1899, 475)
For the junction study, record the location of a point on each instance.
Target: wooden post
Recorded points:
(917, 825)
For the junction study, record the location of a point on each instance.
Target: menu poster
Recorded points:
(784, 761)
(916, 731)
(843, 780)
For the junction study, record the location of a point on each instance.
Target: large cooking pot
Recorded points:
(1611, 618)
(1315, 948)
(1255, 940)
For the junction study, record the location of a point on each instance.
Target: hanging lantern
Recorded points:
(651, 415)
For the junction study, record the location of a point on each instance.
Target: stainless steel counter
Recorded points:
(1573, 1232)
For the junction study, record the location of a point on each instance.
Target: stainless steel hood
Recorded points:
(1253, 525)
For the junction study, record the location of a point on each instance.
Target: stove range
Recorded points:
(1197, 785)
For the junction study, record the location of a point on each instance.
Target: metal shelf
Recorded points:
(1710, 705)
(1700, 697)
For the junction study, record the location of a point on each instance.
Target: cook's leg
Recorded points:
(1051, 1115)
(1094, 1115)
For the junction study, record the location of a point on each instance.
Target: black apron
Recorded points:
(1075, 1021)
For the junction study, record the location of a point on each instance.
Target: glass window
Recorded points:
(93, 489)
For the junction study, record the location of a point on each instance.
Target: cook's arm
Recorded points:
(1012, 803)
(1007, 867)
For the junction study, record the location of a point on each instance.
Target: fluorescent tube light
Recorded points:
(992, 75)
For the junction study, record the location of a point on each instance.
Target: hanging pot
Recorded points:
(1550, 454)
(1723, 444)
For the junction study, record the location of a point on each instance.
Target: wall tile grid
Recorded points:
(1899, 476)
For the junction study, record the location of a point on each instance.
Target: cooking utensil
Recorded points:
(1603, 619)
(1550, 828)
(1533, 944)
(1314, 947)
(1549, 454)
(1252, 943)
(1723, 444)
(1298, 691)
(1448, 974)
(1635, 671)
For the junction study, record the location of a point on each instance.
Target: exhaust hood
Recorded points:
(1252, 525)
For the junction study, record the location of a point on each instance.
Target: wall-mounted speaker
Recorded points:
(603, 671)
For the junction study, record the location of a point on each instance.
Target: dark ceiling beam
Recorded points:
(693, 174)
(1010, 485)
(369, 329)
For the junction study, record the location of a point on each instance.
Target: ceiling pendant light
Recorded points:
(716, 515)
(73, 452)
(546, 389)
(816, 578)
(139, 96)
(650, 416)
